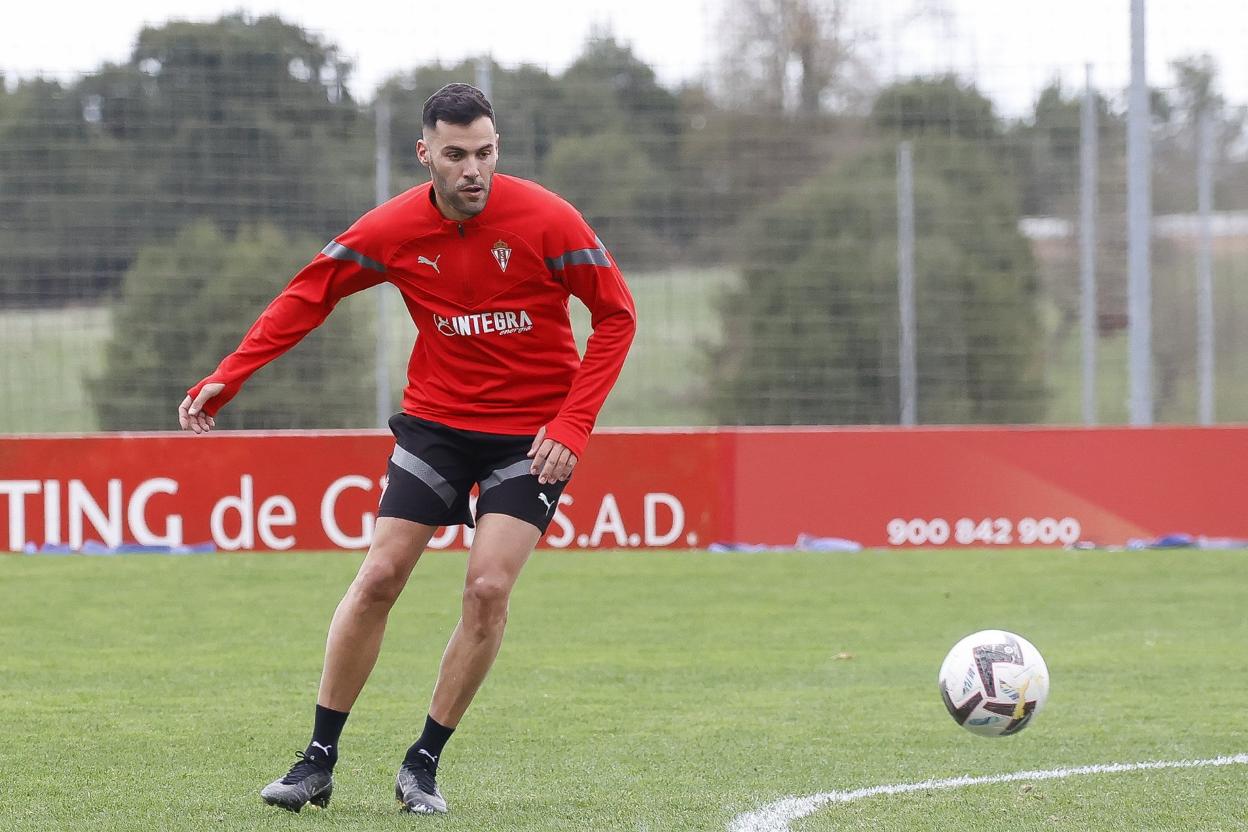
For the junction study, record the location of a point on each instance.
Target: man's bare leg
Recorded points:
(359, 623)
(500, 549)
(350, 652)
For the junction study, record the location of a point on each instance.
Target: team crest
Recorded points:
(502, 253)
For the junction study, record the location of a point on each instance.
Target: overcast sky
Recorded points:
(1012, 49)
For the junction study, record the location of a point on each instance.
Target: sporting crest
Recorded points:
(502, 253)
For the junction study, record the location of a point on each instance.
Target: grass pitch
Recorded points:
(635, 691)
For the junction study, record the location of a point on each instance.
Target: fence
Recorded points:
(148, 210)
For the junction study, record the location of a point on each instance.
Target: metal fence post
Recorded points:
(1204, 267)
(905, 282)
(1139, 229)
(1087, 246)
(381, 194)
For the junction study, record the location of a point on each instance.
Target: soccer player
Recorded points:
(497, 396)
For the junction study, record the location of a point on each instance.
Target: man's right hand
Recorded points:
(191, 415)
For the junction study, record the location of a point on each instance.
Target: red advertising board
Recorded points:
(646, 489)
(989, 486)
(313, 490)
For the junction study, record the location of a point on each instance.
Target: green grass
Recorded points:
(665, 381)
(635, 691)
(46, 357)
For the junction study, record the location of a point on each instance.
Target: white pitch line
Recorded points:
(775, 817)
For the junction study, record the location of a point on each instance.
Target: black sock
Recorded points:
(325, 733)
(428, 749)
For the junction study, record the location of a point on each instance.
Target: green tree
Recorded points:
(610, 180)
(59, 180)
(239, 121)
(608, 89)
(941, 106)
(243, 120)
(812, 336)
(186, 303)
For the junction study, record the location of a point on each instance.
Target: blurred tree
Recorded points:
(238, 120)
(1194, 95)
(731, 161)
(1177, 135)
(187, 302)
(788, 55)
(812, 337)
(620, 192)
(59, 175)
(942, 106)
(609, 89)
(605, 135)
(619, 162)
(1046, 150)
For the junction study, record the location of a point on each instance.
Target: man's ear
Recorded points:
(422, 152)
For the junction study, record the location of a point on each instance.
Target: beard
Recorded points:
(448, 192)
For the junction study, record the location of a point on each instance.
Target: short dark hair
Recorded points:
(460, 104)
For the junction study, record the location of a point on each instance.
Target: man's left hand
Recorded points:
(552, 461)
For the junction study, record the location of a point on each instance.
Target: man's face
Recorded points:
(461, 160)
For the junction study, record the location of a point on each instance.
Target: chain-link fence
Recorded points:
(761, 211)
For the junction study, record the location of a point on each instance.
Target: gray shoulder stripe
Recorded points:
(424, 472)
(501, 475)
(579, 257)
(338, 251)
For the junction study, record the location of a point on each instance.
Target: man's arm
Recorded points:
(342, 268)
(590, 273)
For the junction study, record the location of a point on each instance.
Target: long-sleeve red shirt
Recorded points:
(489, 297)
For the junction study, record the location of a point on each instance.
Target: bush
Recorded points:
(186, 304)
(609, 180)
(812, 338)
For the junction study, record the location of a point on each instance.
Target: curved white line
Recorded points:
(775, 817)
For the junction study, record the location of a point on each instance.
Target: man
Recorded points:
(497, 395)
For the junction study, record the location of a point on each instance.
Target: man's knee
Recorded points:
(380, 582)
(488, 590)
(485, 598)
(397, 545)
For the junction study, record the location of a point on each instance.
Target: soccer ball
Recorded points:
(994, 682)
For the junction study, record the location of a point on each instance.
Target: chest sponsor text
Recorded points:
(485, 323)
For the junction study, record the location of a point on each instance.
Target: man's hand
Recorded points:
(191, 415)
(552, 461)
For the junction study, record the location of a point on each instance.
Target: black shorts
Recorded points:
(433, 468)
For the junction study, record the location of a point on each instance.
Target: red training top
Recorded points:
(489, 296)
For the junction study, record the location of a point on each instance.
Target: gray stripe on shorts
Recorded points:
(501, 475)
(424, 472)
